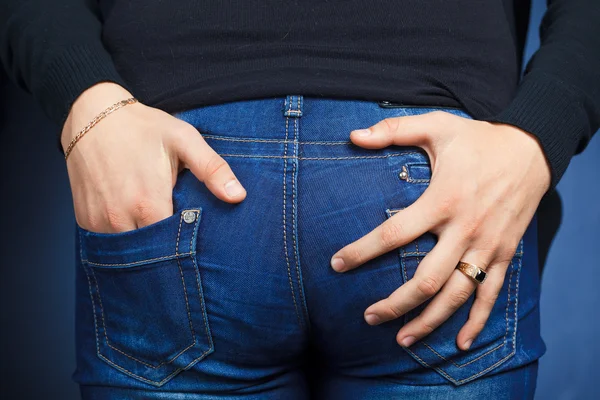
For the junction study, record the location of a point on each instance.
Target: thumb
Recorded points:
(209, 167)
(413, 130)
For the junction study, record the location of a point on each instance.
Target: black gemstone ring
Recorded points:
(472, 271)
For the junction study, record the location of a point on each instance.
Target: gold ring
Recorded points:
(472, 271)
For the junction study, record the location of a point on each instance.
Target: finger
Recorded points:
(433, 271)
(485, 298)
(146, 212)
(413, 130)
(114, 221)
(209, 167)
(403, 227)
(454, 294)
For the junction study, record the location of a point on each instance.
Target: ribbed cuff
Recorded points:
(76, 69)
(548, 109)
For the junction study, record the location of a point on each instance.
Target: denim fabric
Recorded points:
(239, 301)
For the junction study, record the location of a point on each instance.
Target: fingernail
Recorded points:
(407, 341)
(468, 344)
(233, 188)
(363, 132)
(337, 264)
(372, 319)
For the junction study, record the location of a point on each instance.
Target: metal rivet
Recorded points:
(403, 174)
(189, 216)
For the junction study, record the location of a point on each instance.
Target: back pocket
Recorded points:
(496, 344)
(147, 298)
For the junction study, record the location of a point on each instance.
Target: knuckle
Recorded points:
(93, 223)
(471, 226)
(353, 254)
(391, 234)
(143, 210)
(179, 136)
(115, 218)
(489, 300)
(395, 311)
(478, 324)
(459, 297)
(504, 253)
(429, 286)
(508, 250)
(438, 115)
(215, 164)
(184, 129)
(391, 124)
(495, 244)
(446, 206)
(426, 326)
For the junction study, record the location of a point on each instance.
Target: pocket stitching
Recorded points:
(441, 371)
(491, 350)
(411, 180)
(508, 301)
(135, 263)
(187, 305)
(200, 292)
(98, 341)
(519, 254)
(123, 369)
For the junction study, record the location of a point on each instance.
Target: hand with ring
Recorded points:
(478, 220)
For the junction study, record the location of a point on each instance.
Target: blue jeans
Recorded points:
(236, 301)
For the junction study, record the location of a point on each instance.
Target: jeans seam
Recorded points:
(294, 224)
(285, 249)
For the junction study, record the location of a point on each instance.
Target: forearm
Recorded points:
(558, 99)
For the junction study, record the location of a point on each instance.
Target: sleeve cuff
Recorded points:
(72, 72)
(548, 109)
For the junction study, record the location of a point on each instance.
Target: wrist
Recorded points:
(88, 105)
(528, 144)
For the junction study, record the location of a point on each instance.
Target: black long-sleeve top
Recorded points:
(181, 54)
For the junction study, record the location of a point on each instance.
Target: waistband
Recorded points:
(297, 117)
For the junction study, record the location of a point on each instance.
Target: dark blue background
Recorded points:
(36, 284)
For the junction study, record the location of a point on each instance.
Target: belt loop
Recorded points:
(293, 106)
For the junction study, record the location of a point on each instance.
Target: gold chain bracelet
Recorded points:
(96, 119)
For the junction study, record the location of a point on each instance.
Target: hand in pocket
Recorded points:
(123, 171)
